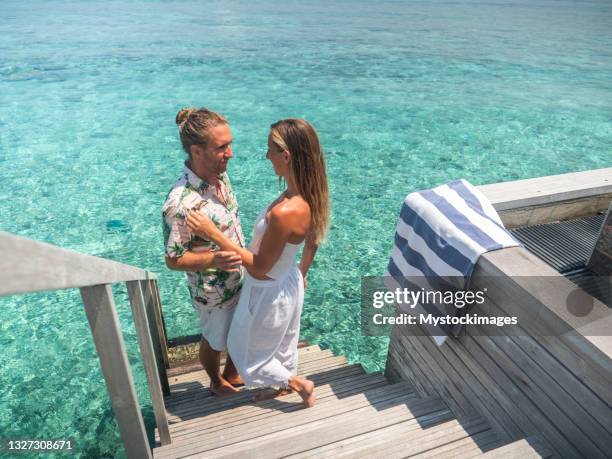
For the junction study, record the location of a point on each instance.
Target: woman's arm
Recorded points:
(273, 241)
(310, 250)
(201, 261)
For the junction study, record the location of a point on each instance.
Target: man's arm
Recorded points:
(201, 261)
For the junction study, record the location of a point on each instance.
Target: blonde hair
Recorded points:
(300, 139)
(194, 125)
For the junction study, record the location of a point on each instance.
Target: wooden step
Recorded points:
(276, 431)
(204, 404)
(215, 406)
(530, 447)
(197, 389)
(250, 412)
(465, 447)
(406, 438)
(189, 365)
(339, 427)
(305, 354)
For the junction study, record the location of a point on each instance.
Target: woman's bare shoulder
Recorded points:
(293, 213)
(294, 207)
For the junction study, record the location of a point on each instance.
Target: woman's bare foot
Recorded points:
(305, 388)
(222, 388)
(268, 394)
(230, 373)
(234, 380)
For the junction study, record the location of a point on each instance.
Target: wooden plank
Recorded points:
(532, 447)
(341, 388)
(465, 447)
(200, 389)
(555, 211)
(240, 415)
(403, 350)
(192, 366)
(397, 393)
(552, 188)
(493, 402)
(197, 409)
(215, 404)
(339, 428)
(546, 400)
(318, 375)
(139, 314)
(446, 374)
(522, 280)
(405, 435)
(473, 386)
(156, 332)
(412, 443)
(158, 320)
(104, 324)
(553, 376)
(333, 426)
(242, 405)
(31, 266)
(200, 374)
(521, 408)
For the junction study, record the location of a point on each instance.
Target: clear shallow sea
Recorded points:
(405, 95)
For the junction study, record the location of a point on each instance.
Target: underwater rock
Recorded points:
(117, 226)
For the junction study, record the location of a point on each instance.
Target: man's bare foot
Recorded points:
(268, 394)
(305, 389)
(222, 388)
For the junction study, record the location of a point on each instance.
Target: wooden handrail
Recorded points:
(30, 266)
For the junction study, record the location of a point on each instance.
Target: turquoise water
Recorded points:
(405, 95)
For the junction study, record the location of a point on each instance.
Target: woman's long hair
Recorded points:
(299, 138)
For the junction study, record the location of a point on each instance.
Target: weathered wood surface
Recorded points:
(104, 324)
(533, 378)
(157, 318)
(549, 189)
(152, 308)
(150, 363)
(522, 273)
(532, 447)
(32, 266)
(356, 415)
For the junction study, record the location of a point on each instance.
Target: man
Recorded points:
(214, 276)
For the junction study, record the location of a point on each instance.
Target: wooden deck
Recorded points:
(356, 415)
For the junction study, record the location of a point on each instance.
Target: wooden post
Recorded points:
(159, 321)
(104, 323)
(139, 314)
(157, 334)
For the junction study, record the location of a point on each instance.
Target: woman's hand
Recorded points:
(201, 225)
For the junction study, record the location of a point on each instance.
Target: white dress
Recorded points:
(265, 330)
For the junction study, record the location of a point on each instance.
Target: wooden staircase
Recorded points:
(356, 415)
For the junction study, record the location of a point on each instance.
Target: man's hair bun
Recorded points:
(183, 114)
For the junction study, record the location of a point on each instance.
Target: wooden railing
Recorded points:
(29, 266)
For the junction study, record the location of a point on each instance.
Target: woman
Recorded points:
(264, 333)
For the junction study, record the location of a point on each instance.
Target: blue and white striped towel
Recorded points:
(443, 231)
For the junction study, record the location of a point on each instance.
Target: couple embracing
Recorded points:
(249, 300)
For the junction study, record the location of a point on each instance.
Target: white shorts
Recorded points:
(215, 324)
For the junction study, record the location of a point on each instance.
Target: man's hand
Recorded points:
(200, 224)
(227, 261)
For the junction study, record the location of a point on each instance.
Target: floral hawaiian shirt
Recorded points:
(212, 288)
